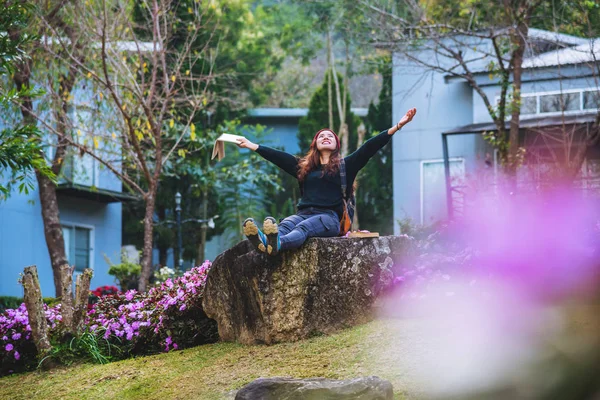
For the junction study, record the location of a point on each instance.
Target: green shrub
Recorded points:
(13, 302)
(126, 272)
(9, 302)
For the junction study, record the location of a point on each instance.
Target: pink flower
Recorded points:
(8, 347)
(16, 336)
(17, 355)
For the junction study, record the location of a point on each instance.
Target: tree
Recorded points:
(229, 189)
(331, 19)
(58, 79)
(451, 37)
(441, 38)
(154, 75)
(318, 117)
(20, 150)
(145, 88)
(251, 44)
(147, 85)
(375, 197)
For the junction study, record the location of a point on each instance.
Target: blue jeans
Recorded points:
(308, 222)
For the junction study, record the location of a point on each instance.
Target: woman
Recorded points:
(321, 205)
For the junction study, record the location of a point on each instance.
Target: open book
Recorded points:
(219, 147)
(362, 234)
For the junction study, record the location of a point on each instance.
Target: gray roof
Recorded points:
(555, 37)
(536, 122)
(574, 50)
(587, 52)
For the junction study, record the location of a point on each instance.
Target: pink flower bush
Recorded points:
(17, 350)
(165, 318)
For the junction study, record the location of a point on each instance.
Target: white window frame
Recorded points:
(92, 230)
(555, 92)
(421, 183)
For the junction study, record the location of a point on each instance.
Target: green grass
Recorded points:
(390, 349)
(212, 371)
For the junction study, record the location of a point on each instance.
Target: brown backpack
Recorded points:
(349, 203)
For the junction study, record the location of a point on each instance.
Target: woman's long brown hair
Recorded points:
(312, 160)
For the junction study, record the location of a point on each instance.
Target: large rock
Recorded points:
(369, 388)
(328, 284)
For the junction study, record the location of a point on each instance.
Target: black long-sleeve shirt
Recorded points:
(325, 191)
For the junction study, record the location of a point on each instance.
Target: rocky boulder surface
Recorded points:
(326, 285)
(368, 388)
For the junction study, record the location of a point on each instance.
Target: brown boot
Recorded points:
(272, 234)
(254, 235)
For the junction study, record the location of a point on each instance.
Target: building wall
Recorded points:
(22, 241)
(444, 103)
(280, 132)
(440, 107)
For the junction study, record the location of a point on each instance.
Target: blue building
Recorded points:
(560, 94)
(91, 224)
(89, 200)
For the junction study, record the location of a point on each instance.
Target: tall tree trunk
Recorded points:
(52, 230)
(513, 136)
(518, 39)
(148, 230)
(345, 81)
(48, 199)
(329, 93)
(343, 131)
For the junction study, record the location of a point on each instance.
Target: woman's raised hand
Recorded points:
(407, 118)
(246, 144)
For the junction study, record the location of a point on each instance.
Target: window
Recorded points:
(79, 168)
(78, 246)
(529, 105)
(591, 100)
(433, 188)
(559, 102)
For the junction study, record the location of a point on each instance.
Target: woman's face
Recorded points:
(326, 141)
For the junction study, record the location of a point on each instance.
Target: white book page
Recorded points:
(227, 137)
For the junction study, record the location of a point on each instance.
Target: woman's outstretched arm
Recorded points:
(283, 160)
(357, 160)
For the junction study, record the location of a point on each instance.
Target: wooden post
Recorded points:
(35, 308)
(66, 308)
(82, 290)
